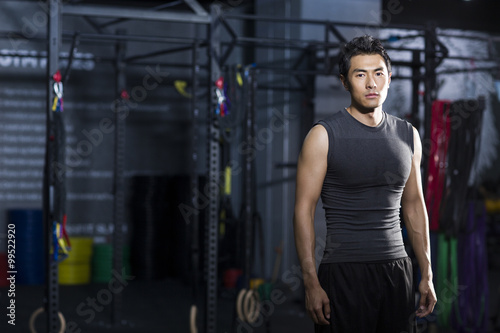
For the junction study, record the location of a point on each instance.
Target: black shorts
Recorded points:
(369, 297)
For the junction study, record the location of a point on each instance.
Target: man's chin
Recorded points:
(369, 108)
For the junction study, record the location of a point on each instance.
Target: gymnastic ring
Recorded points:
(192, 319)
(239, 304)
(251, 306)
(39, 311)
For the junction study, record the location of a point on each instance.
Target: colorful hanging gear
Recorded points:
(465, 135)
(447, 278)
(60, 241)
(471, 310)
(220, 91)
(440, 134)
(58, 104)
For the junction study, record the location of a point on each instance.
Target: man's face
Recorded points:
(367, 81)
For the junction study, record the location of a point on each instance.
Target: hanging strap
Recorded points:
(447, 278)
(440, 131)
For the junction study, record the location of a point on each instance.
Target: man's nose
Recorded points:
(370, 83)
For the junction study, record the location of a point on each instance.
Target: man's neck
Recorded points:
(369, 117)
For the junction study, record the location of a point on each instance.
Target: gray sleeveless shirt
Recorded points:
(366, 174)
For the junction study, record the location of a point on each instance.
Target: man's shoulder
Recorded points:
(332, 118)
(397, 120)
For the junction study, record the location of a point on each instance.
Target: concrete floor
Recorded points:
(163, 306)
(148, 306)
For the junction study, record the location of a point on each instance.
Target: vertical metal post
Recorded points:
(415, 71)
(308, 116)
(211, 236)
(195, 112)
(51, 187)
(249, 174)
(286, 226)
(194, 218)
(430, 95)
(120, 113)
(327, 49)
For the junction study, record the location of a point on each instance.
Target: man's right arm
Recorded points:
(311, 170)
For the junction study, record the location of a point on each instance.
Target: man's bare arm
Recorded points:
(311, 170)
(417, 225)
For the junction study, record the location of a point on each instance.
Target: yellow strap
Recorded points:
(181, 88)
(227, 181)
(62, 246)
(54, 105)
(239, 79)
(60, 240)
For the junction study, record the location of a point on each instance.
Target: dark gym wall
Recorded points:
(479, 15)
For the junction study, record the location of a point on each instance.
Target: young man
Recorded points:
(365, 164)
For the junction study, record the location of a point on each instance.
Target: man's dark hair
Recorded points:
(361, 45)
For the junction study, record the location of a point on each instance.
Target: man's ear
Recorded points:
(389, 82)
(344, 81)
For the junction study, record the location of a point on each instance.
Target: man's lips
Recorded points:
(371, 95)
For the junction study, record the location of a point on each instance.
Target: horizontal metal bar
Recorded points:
(303, 44)
(465, 37)
(279, 88)
(101, 60)
(156, 8)
(166, 64)
(133, 38)
(287, 71)
(467, 70)
(318, 22)
(133, 14)
(470, 58)
(406, 63)
(418, 77)
(299, 42)
(13, 36)
(160, 52)
(286, 165)
(260, 45)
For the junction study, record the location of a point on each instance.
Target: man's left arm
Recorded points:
(416, 221)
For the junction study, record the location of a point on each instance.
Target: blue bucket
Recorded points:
(29, 242)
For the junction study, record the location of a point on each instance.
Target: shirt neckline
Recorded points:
(379, 126)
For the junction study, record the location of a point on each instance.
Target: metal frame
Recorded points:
(249, 202)
(118, 177)
(211, 231)
(430, 84)
(52, 190)
(194, 179)
(134, 14)
(52, 205)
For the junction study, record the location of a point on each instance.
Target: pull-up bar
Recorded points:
(133, 13)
